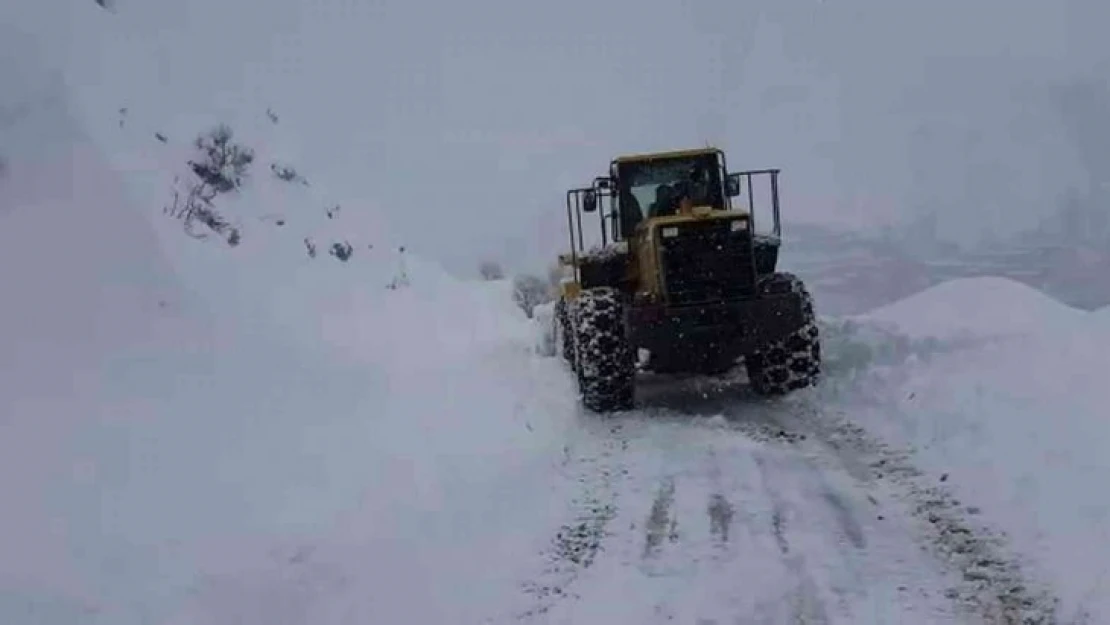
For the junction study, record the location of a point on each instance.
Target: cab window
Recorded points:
(653, 188)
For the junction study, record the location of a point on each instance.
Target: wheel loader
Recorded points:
(681, 274)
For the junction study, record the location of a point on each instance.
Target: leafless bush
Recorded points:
(342, 251)
(287, 173)
(221, 168)
(529, 292)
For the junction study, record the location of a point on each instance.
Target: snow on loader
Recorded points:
(681, 274)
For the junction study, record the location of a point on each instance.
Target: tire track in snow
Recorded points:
(988, 583)
(738, 523)
(720, 513)
(720, 510)
(596, 466)
(804, 602)
(991, 582)
(850, 561)
(878, 565)
(735, 511)
(661, 522)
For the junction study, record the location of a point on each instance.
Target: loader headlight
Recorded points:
(669, 232)
(736, 225)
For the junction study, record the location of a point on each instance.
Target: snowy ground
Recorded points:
(195, 434)
(199, 435)
(1000, 391)
(945, 470)
(408, 455)
(287, 441)
(689, 518)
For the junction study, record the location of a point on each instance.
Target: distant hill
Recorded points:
(852, 272)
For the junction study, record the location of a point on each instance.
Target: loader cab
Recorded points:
(656, 185)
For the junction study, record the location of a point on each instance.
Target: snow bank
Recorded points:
(1017, 418)
(88, 295)
(953, 316)
(975, 307)
(88, 300)
(544, 329)
(433, 473)
(194, 432)
(190, 436)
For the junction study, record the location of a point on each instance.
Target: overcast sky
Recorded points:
(466, 122)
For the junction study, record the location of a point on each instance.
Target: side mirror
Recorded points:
(732, 184)
(589, 202)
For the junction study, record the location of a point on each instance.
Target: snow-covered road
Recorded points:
(716, 521)
(729, 510)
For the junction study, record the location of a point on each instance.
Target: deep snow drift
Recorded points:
(161, 442)
(177, 414)
(1002, 391)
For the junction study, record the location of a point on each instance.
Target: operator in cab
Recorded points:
(680, 198)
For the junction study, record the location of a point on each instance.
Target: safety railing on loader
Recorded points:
(601, 197)
(741, 181)
(589, 200)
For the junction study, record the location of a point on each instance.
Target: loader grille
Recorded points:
(706, 262)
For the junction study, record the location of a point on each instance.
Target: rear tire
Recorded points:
(793, 362)
(606, 361)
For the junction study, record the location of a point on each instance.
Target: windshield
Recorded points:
(654, 188)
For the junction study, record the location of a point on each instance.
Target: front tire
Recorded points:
(604, 355)
(791, 363)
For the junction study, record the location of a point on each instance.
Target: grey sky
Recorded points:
(466, 122)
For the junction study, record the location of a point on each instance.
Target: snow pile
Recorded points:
(194, 432)
(89, 301)
(544, 338)
(976, 307)
(154, 453)
(852, 348)
(422, 486)
(1016, 416)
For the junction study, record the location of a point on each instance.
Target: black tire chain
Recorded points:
(606, 363)
(793, 362)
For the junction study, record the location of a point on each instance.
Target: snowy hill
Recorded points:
(80, 311)
(857, 271)
(176, 410)
(978, 307)
(159, 422)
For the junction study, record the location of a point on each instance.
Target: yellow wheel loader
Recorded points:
(681, 273)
